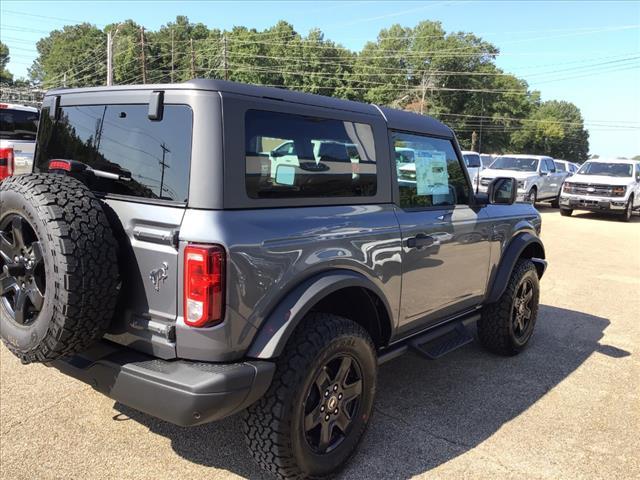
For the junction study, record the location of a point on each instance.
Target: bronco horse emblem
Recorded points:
(159, 275)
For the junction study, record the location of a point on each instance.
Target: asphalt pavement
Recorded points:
(566, 408)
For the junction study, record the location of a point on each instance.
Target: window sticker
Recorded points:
(432, 177)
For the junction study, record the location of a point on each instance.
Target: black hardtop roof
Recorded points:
(396, 119)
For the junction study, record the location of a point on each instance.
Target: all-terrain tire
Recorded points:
(496, 329)
(79, 255)
(273, 426)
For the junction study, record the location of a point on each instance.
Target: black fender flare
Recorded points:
(277, 327)
(512, 252)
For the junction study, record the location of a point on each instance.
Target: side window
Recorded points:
(550, 165)
(289, 156)
(544, 167)
(559, 166)
(152, 158)
(429, 172)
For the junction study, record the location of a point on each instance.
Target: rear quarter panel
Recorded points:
(270, 251)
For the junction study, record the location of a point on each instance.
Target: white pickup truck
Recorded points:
(18, 127)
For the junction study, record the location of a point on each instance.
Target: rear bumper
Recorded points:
(596, 204)
(181, 392)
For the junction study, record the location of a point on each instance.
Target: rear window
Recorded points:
(18, 124)
(560, 166)
(289, 156)
(151, 157)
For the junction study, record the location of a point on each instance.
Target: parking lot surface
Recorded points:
(568, 407)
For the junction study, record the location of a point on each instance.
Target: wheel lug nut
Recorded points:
(326, 394)
(322, 408)
(335, 387)
(327, 418)
(340, 397)
(335, 411)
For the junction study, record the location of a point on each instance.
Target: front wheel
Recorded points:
(532, 196)
(505, 327)
(315, 412)
(628, 212)
(566, 212)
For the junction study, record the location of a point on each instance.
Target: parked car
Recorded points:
(611, 186)
(168, 268)
(566, 166)
(538, 178)
(474, 166)
(18, 127)
(487, 159)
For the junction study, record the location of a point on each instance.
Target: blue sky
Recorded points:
(585, 52)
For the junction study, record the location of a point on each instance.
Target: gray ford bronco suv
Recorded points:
(200, 249)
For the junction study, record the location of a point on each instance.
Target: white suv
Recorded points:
(538, 178)
(611, 186)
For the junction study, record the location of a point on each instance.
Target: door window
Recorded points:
(550, 165)
(429, 173)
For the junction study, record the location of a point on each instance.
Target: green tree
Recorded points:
(5, 75)
(74, 56)
(555, 128)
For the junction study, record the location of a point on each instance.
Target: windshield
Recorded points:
(607, 169)
(486, 160)
(471, 160)
(521, 164)
(18, 124)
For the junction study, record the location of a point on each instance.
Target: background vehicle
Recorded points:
(474, 166)
(487, 159)
(565, 166)
(537, 176)
(217, 287)
(18, 127)
(611, 186)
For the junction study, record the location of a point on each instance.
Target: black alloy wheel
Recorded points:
(332, 402)
(522, 311)
(22, 272)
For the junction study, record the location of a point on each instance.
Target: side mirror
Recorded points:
(544, 174)
(275, 154)
(503, 191)
(285, 174)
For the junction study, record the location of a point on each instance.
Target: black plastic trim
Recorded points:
(181, 392)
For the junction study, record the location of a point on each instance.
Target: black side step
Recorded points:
(439, 346)
(436, 341)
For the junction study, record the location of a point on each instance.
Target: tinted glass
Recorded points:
(18, 124)
(121, 139)
(289, 156)
(472, 160)
(520, 164)
(560, 166)
(433, 177)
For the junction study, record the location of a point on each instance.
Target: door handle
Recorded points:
(420, 241)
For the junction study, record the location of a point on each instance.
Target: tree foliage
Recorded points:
(452, 76)
(5, 75)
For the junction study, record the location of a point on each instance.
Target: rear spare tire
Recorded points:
(58, 267)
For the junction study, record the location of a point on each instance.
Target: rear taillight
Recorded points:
(7, 162)
(204, 279)
(60, 165)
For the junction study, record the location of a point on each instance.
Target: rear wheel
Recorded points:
(555, 203)
(314, 414)
(566, 212)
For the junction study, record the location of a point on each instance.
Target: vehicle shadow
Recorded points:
(635, 217)
(427, 412)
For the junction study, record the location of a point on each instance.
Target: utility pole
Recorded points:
(474, 140)
(172, 63)
(109, 59)
(481, 119)
(64, 80)
(110, 41)
(164, 166)
(225, 63)
(193, 60)
(424, 91)
(144, 66)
